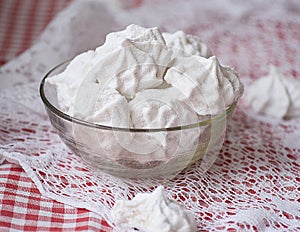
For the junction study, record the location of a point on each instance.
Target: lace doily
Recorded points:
(253, 184)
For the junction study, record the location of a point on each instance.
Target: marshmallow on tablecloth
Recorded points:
(275, 95)
(151, 212)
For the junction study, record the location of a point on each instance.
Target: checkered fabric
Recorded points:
(21, 21)
(22, 208)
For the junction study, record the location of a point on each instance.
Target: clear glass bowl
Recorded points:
(134, 152)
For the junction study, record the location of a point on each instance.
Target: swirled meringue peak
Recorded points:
(151, 212)
(275, 95)
(186, 45)
(206, 86)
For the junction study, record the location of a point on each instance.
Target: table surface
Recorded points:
(22, 206)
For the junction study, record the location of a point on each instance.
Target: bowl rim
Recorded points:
(69, 118)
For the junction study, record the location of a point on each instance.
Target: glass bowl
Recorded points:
(135, 152)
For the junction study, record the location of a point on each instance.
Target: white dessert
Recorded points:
(275, 95)
(138, 80)
(206, 86)
(149, 212)
(186, 45)
(127, 70)
(160, 108)
(64, 86)
(140, 36)
(138, 59)
(97, 110)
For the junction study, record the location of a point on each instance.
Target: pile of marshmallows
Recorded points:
(142, 78)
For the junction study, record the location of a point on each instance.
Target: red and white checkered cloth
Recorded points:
(22, 207)
(22, 21)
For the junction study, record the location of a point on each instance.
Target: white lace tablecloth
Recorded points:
(255, 182)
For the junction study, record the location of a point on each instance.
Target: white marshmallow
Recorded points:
(103, 106)
(275, 95)
(154, 211)
(128, 70)
(207, 87)
(136, 65)
(64, 86)
(98, 144)
(160, 108)
(148, 40)
(186, 45)
(134, 33)
(293, 88)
